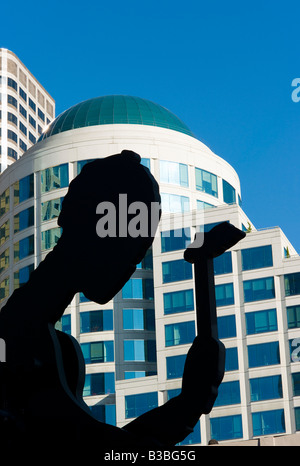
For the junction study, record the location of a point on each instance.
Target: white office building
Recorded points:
(26, 108)
(135, 345)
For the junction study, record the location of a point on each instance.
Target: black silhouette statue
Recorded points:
(42, 380)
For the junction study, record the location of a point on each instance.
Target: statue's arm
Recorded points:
(203, 372)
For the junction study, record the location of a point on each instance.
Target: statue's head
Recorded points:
(109, 218)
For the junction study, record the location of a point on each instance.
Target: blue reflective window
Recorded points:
(82, 163)
(226, 326)
(257, 258)
(99, 384)
(64, 324)
(140, 350)
(175, 366)
(145, 162)
(55, 177)
(138, 288)
(292, 284)
(23, 189)
(98, 352)
(51, 209)
(296, 383)
(172, 393)
(223, 264)
(49, 238)
(173, 271)
(293, 316)
(172, 203)
(228, 393)
(264, 354)
(24, 219)
(180, 333)
(138, 319)
(96, 321)
(231, 359)
(174, 173)
(208, 226)
(229, 195)
(297, 418)
(266, 388)
(227, 427)
(175, 240)
(268, 422)
(178, 301)
(259, 289)
(261, 321)
(147, 261)
(22, 275)
(136, 405)
(201, 205)
(104, 413)
(206, 182)
(24, 248)
(224, 294)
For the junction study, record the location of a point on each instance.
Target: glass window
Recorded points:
(12, 83)
(23, 189)
(228, 394)
(12, 153)
(172, 203)
(296, 383)
(180, 333)
(12, 135)
(96, 321)
(266, 388)
(145, 162)
(147, 261)
(229, 195)
(177, 270)
(4, 202)
(226, 326)
(140, 350)
(293, 316)
(136, 405)
(104, 413)
(24, 248)
(226, 427)
(23, 128)
(201, 205)
(41, 115)
(101, 383)
(261, 321)
(4, 289)
(24, 219)
(231, 359)
(4, 260)
(4, 232)
(22, 275)
(22, 145)
(12, 101)
(82, 163)
(32, 104)
(175, 366)
(174, 173)
(175, 240)
(50, 238)
(208, 226)
(98, 352)
(264, 354)
(292, 284)
(224, 294)
(257, 258)
(23, 94)
(12, 118)
(178, 301)
(32, 121)
(32, 138)
(193, 437)
(268, 422)
(259, 289)
(295, 349)
(206, 182)
(223, 264)
(51, 209)
(138, 288)
(138, 319)
(55, 178)
(297, 418)
(64, 324)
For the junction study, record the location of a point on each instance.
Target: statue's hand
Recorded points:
(203, 373)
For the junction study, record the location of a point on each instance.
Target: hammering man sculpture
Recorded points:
(41, 382)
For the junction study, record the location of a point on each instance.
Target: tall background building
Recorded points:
(26, 108)
(135, 345)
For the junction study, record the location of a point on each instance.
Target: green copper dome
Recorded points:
(115, 109)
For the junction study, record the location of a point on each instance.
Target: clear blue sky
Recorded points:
(224, 67)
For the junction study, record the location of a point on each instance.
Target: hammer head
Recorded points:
(216, 242)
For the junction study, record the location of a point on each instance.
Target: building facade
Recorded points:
(135, 345)
(26, 108)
